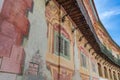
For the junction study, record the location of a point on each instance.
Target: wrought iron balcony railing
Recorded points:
(106, 52)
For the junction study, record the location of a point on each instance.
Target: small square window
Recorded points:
(93, 67)
(83, 60)
(33, 68)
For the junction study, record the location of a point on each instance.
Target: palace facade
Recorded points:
(55, 40)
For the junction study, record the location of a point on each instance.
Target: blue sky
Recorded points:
(109, 13)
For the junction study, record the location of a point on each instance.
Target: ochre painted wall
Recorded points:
(28, 31)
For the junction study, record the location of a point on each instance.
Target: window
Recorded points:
(118, 56)
(93, 67)
(61, 45)
(33, 68)
(110, 50)
(83, 60)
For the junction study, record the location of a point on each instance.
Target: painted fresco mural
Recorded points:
(13, 26)
(37, 42)
(84, 64)
(34, 71)
(59, 61)
(21, 55)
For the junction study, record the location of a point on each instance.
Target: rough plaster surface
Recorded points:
(7, 76)
(37, 39)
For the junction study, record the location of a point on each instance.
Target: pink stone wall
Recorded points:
(13, 26)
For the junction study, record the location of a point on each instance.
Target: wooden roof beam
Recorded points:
(62, 1)
(76, 16)
(68, 2)
(75, 12)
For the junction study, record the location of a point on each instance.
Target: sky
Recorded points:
(109, 13)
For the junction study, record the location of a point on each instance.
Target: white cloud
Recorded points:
(106, 13)
(110, 13)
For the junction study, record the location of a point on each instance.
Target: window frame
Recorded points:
(56, 34)
(94, 67)
(84, 59)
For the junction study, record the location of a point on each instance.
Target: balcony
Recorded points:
(106, 52)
